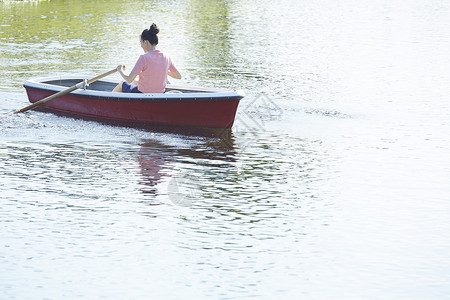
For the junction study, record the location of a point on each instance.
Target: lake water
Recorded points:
(333, 183)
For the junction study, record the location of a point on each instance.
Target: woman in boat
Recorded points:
(152, 67)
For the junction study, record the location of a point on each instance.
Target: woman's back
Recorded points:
(152, 68)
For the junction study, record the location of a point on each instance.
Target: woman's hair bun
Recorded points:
(151, 34)
(153, 29)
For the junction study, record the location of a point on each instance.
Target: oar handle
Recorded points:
(64, 92)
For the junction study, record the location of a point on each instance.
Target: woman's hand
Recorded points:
(120, 68)
(127, 78)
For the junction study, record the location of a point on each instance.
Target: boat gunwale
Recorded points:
(202, 94)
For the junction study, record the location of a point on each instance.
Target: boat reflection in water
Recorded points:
(180, 163)
(178, 160)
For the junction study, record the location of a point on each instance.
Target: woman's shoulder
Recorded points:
(156, 51)
(158, 54)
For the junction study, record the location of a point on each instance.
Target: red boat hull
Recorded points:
(217, 113)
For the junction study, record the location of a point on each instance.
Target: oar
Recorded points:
(62, 93)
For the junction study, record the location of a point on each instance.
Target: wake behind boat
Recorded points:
(182, 106)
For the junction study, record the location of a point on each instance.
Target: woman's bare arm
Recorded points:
(175, 74)
(127, 78)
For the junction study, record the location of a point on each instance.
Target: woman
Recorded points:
(152, 67)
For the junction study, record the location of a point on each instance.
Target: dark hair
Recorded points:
(151, 34)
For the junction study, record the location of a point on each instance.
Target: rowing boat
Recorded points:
(179, 105)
